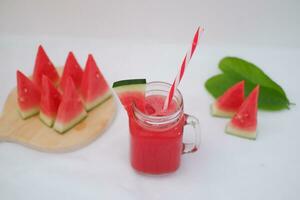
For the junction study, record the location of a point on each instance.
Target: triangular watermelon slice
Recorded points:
(244, 122)
(131, 92)
(28, 96)
(94, 88)
(227, 104)
(71, 110)
(50, 100)
(44, 66)
(72, 69)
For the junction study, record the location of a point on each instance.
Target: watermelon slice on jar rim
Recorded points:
(131, 92)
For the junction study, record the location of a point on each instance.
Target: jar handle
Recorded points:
(192, 147)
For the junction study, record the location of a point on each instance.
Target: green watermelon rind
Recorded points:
(217, 112)
(130, 88)
(129, 82)
(98, 101)
(64, 127)
(233, 130)
(28, 113)
(49, 121)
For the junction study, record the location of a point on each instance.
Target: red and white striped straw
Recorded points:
(184, 64)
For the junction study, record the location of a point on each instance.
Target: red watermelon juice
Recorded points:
(156, 135)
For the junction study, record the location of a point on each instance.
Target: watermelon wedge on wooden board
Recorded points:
(244, 122)
(44, 66)
(72, 69)
(32, 133)
(71, 110)
(50, 100)
(94, 89)
(131, 92)
(28, 96)
(228, 104)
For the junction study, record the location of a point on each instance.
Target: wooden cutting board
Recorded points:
(34, 134)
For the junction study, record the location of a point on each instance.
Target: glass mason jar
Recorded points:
(156, 142)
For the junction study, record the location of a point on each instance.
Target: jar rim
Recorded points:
(160, 120)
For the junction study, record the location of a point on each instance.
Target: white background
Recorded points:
(133, 39)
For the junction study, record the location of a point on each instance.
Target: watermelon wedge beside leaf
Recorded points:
(71, 110)
(93, 89)
(131, 92)
(244, 122)
(50, 100)
(228, 104)
(28, 96)
(72, 69)
(44, 66)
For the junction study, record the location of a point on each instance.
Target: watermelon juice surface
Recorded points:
(156, 135)
(154, 106)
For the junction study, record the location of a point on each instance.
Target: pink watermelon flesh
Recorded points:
(132, 93)
(244, 122)
(94, 88)
(28, 96)
(71, 110)
(44, 66)
(129, 98)
(228, 104)
(50, 100)
(72, 69)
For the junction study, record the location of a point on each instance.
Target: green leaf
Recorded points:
(218, 84)
(269, 98)
(244, 70)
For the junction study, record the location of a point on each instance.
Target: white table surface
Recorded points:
(137, 40)
(225, 167)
